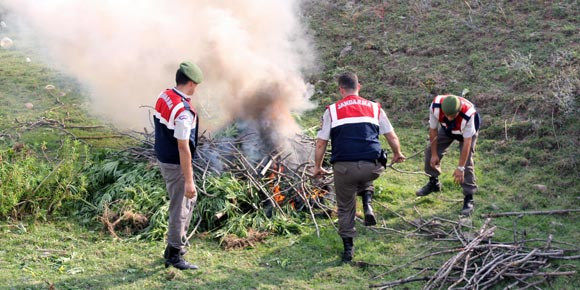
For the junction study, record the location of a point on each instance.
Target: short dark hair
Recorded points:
(348, 81)
(181, 78)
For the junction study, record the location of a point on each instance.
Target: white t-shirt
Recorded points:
(324, 133)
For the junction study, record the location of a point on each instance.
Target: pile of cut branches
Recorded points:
(267, 173)
(276, 177)
(478, 262)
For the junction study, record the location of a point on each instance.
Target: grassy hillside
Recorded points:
(520, 61)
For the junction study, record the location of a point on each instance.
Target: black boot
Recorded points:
(432, 186)
(468, 205)
(182, 252)
(367, 199)
(176, 260)
(348, 249)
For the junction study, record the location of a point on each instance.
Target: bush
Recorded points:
(122, 188)
(39, 188)
(133, 191)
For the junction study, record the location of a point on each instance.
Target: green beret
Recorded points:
(451, 105)
(192, 71)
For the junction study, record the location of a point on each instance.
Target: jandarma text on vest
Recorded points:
(167, 100)
(354, 102)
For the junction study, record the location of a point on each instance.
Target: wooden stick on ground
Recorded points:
(535, 212)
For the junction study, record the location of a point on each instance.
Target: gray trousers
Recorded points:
(351, 178)
(443, 143)
(180, 207)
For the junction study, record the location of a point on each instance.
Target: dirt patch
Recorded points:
(128, 223)
(232, 242)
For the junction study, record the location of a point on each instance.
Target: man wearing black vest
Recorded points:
(354, 124)
(176, 127)
(458, 120)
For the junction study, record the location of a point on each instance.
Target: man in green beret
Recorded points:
(452, 118)
(176, 129)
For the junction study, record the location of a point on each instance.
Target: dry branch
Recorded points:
(62, 126)
(536, 212)
(398, 282)
(99, 137)
(480, 263)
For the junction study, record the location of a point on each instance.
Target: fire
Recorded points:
(295, 199)
(317, 192)
(278, 196)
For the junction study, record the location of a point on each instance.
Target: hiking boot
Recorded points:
(367, 199)
(176, 260)
(348, 250)
(182, 252)
(468, 205)
(432, 186)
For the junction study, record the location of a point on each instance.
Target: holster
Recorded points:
(383, 158)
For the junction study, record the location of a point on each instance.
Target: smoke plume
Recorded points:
(253, 54)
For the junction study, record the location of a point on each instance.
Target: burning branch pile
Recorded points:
(276, 174)
(480, 263)
(279, 180)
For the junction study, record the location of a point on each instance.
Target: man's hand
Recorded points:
(434, 161)
(393, 141)
(458, 176)
(319, 151)
(398, 158)
(190, 191)
(318, 171)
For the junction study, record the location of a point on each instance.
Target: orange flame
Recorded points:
(279, 198)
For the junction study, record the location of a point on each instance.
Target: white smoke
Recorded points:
(253, 54)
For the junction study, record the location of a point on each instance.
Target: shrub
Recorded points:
(126, 189)
(132, 191)
(39, 188)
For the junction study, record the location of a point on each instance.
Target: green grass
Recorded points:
(56, 113)
(513, 56)
(67, 256)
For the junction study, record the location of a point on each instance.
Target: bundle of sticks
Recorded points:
(275, 173)
(480, 263)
